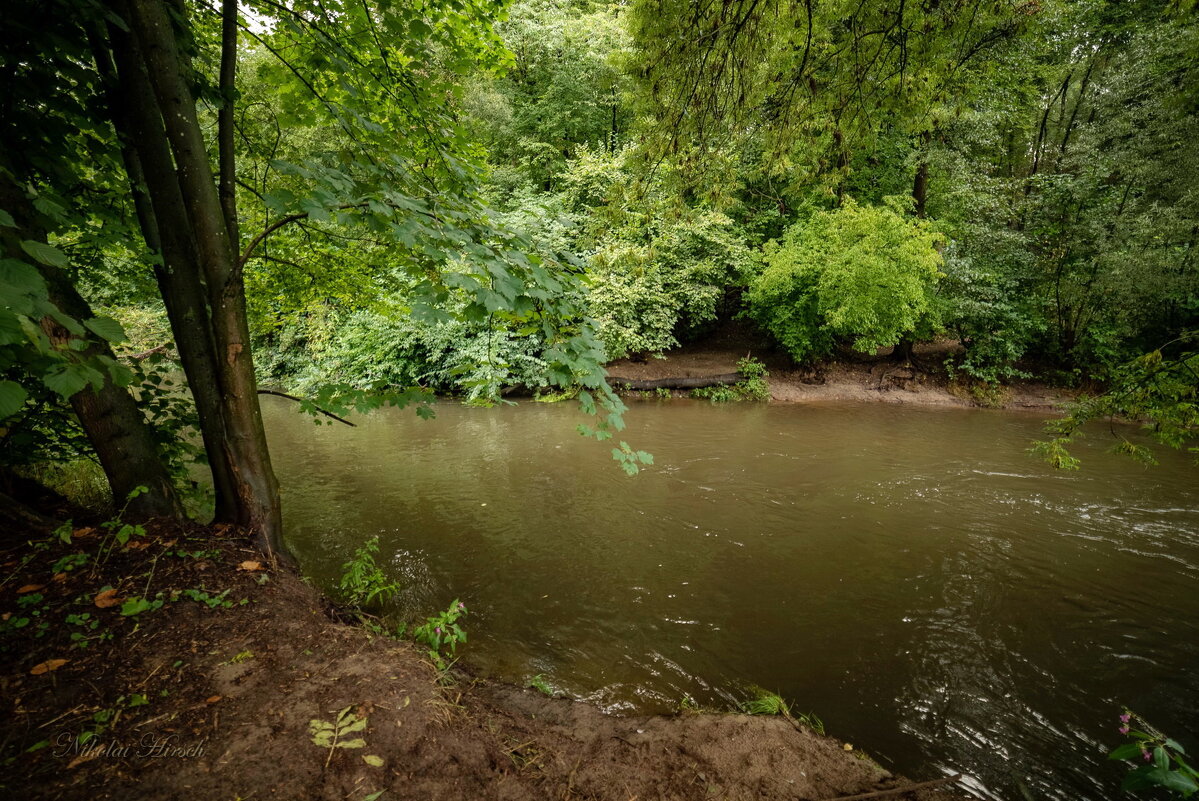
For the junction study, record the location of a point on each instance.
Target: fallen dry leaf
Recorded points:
(48, 665)
(30, 588)
(248, 565)
(213, 699)
(60, 576)
(106, 599)
(168, 543)
(84, 533)
(136, 545)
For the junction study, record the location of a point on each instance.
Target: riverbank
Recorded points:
(849, 376)
(180, 665)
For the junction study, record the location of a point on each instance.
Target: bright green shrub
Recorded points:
(865, 273)
(647, 294)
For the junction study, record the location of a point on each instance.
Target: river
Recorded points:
(938, 597)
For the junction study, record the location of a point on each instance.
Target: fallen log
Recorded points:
(689, 382)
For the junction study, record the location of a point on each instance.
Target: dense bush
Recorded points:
(863, 273)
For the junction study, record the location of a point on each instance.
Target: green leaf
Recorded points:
(1126, 751)
(372, 760)
(6, 220)
(12, 398)
(46, 254)
(106, 328)
(66, 380)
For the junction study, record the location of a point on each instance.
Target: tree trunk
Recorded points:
(256, 489)
(120, 435)
(920, 188)
(163, 219)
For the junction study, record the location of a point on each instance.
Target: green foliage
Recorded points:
(565, 89)
(752, 387)
(765, 702)
(659, 273)
(866, 273)
(363, 582)
(542, 685)
(442, 633)
(335, 733)
(1159, 761)
(1158, 389)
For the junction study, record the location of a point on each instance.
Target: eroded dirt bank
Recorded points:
(212, 696)
(848, 377)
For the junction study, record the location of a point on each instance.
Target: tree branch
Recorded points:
(313, 405)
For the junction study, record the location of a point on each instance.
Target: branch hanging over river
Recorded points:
(325, 412)
(688, 382)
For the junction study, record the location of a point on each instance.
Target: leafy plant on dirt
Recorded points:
(442, 633)
(363, 582)
(332, 734)
(765, 702)
(91, 631)
(541, 684)
(752, 387)
(1162, 759)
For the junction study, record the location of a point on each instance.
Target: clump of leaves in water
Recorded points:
(363, 582)
(765, 702)
(541, 684)
(1161, 759)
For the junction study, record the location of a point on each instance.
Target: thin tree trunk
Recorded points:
(120, 435)
(225, 132)
(920, 182)
(257, 490)
(163, 219)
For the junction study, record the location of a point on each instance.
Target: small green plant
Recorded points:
(541, 684)
(751, 387)
(717, 394)
(442, 633)
(363, 582)
(765, 702)
(332, 734)
(116, 528)
(663, 393)
(91, 630)
(136, 605)
(811, 721)
(206, 598)
(1162, 759)
(69, 563)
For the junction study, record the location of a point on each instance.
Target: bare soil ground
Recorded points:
(850, 376)
(215, 700)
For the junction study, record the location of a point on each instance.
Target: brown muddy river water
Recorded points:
(913, 577)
